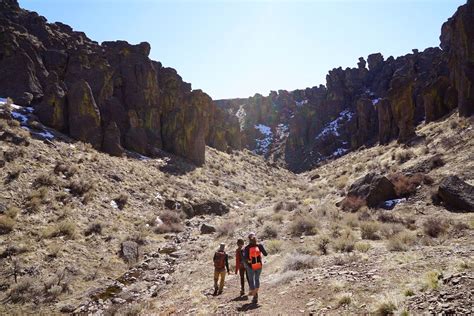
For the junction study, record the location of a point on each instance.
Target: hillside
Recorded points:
(69, 211)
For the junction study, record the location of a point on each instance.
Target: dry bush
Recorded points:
(352, 203)
(44, 179)
(362, 247)
(403, 155)
(303, 223)
(270, 231)
(64, 228)
(341, 182)
(121, 200)
(278, 217)
(13, 174)
(297, 261)
(6, 225)
(351, 220)
(431, 280)
(79, 187)
(12, 212)
(344, 300)
(226, 228)
(35, 199)
(67, 170)
(23, 292)
(323, 244)
(273, 246)
(171, 222)
(369, 230)
(94, 228)
(388, 230)
(435, 226)
(401, 241)
(288, 206)
(406, 185)
(385, 309)
(345, 243)
(13, 154)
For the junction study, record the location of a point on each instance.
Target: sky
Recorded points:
(231, 48)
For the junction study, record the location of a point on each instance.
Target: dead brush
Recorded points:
(303, 223)
(435, 226)
(79, 187)
(169, 222)
(67, 170)
(406, 185)
(44, 180)
(352, 203)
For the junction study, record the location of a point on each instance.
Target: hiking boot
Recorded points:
(220, 292)
(255, 299)
(215, 292)
(242, 292)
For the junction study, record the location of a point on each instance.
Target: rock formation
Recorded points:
(110, 95)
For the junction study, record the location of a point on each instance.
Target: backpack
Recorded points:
(219, 260)
(255, 257)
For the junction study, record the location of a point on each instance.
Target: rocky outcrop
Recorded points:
(457, 39)
(373, 189)
(111, 95)
(456, 194)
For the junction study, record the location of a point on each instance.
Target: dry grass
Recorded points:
(435, 226)
(303, 224)
(406, 185)
(171, 221)
(297, 261)
(6, 225)
(370, 230)
(401, 241)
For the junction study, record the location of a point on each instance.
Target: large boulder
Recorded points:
(111, 142)
(211, 207)
(373, 188)
(129, 251)
(456, 194)
(84, 116)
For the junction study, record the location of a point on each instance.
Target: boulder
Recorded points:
(111, 142)
(84, 116)
(207, 229)
(129, 251)
(373, 188)
(456, 195)
(211, 207)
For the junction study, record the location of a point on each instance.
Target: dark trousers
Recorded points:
(243, 276)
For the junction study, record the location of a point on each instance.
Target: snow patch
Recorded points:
(300, 103)
(282, 131)
(113, 204)
(45, 134)
(375, 101)
(333, 126)
(390, 204)
(263, 144)
(241, 115)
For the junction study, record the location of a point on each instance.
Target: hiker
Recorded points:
(221, 263)
(239, 265)
(253, 263)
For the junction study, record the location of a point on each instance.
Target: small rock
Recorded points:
(207, 229)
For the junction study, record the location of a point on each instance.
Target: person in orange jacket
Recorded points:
(253, 263)
(239, 265)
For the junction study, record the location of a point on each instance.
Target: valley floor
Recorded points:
(69, 213)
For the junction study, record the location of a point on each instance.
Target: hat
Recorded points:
(222, 246)
(252, 235)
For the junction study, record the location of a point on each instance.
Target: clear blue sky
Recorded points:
(237, 48)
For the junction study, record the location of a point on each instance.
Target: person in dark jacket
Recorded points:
(239, 265)
(221, 263)
(253, 263)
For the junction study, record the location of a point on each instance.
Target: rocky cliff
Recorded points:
(378, 101)
(111, 95)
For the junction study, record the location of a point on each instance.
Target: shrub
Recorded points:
(385, 309)
(12, 212)
(352, 203)
(303, 224)
(408, 292)
(274, 246)
(79, 187)
(67, 170)
(121, 200)
(22, 292)
(406, 185)
(94, 228)
(362, 247)
(351, 220)
(297, 261)
(323, 245)
(388, 230)
(435, 226)
(63, 228)
(341, 182)
(44, 179)
(12, 175)
(432, 280)
(226, 228)
(278, 217)
(344, 244)
(369, 230)
(283, 278)
(270, 231)
(400, 241)
(6, 225)
(171, 222)
(403, 156)
(344, 300)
